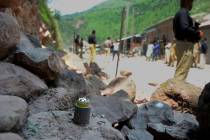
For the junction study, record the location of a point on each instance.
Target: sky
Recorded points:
(73, 6)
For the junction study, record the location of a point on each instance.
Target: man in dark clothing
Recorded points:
(77, 44)
(203, 52)
(92, 46)
(186, 33)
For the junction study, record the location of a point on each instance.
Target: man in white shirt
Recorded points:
(116, 49)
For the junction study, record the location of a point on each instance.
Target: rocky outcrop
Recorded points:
(13, 113)
(203, 111)
(59, 125)
(19, 82)
(26, 13)
(116, 108)
(9, 34)
(42, 62)
(180, 95)
(10, 136)
(52, 100)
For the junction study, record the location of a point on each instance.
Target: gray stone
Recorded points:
(53, 99)
(9, 34)
(136, 134)
(58, 124)
(73, 82)
(152, 112)
(185, 129)
(42, 62)
(94, 85)
(13, 113)
(115, 109)
(16, 81)
(10, 136)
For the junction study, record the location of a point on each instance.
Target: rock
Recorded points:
(24, 10)
(203, 110)
(74, 63)
(59, 125)
(125, 73)
(185, 128)
(94, 85)
(9, 136)
(121, 83)
(9, 34)
(139, 134)
(42, 62)
(73, 82)
(54, 99)
(19, 82)
(152, 112)
(13, 113)
(94, 69)
(180, 95)
(116, 109)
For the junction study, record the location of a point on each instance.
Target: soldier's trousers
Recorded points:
(92, 54)
(184, 53)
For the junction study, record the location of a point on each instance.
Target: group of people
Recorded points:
(153, 51)
(79, 45)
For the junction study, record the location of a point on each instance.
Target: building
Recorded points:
(163, 30)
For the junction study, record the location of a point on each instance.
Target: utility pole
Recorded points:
(121, 35)
(126, 27)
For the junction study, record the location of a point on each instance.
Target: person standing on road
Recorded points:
(108, 44)
(186, 33)
(203, 53)
(149, 52)
(116, 49)
(77, 44)
(92, 46)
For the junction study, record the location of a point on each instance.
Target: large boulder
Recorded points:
(16, 81)
(163, 123)
(152, 112)
(58, 125)
(10, 136)
(121, 83)
(73, 82)
(180, 95)
(94, 85)
(13, 113)
(74, 63)
(9, 34)
(42, 62)
(52, 100)
(203, 111)
(114, 108)
(185, 128)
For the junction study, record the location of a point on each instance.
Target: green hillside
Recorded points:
(105, 18)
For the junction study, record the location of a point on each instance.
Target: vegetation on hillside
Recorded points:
(49, 19)
(106, 17)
